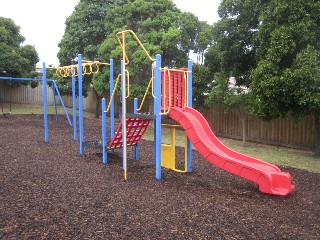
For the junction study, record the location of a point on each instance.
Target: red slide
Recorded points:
(268, 176)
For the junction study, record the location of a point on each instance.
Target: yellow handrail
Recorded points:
(123, 34)
(113, 92)
(185, 89)
(151, 82)
(126, 60)
(128, 84)
(96, 62)
(146, 93)
(166, 71)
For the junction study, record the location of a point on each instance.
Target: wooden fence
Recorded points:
(24, 94)
(282, 132)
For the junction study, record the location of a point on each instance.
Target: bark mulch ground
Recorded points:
(50, 191)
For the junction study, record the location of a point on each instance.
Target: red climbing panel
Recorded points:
(135, 129)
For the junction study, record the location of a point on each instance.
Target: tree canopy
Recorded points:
(16, 60)
(161, 27)
(286, 77)
(273, 48)
(84, 31)
(233, 50)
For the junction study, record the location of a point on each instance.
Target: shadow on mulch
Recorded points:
(50, 191)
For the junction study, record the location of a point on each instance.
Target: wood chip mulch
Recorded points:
(50, 191)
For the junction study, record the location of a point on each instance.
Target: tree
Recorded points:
(85, 31)
(272, 47)
(232, 55)
(161, 27)
(157, 23)
(16, 60)
(286, 78)
(201, 86)
(233, 50)
(234, 98)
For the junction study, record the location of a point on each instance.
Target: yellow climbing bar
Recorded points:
(151, 83)
(123, 35)
(113, 92)
(88, 68)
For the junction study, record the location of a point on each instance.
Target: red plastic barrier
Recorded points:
(173, 90)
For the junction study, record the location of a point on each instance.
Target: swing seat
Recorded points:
(94, 144)
(6, 114)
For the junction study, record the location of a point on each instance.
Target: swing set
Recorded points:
(55, 92)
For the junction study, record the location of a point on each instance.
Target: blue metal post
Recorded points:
(189, 145)
(54, 102)
(54, 85)
(45, 107)
(157, 121)
(104, 131)
(74, 106)
(135, 111)
(111, 79)
(81, 132)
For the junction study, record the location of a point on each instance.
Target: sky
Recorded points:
(42, 21)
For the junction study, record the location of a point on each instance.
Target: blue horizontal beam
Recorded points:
(20, 79)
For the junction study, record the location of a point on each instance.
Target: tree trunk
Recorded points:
(243, 120)
(98, 104)
(98, 110)
(242, 115)
(317, 149)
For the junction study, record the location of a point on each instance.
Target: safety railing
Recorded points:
(174, 90)
(127, 95)
(122, 44)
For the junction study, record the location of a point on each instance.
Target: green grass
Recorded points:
(277, 155)
(273, 154)
(36, 109)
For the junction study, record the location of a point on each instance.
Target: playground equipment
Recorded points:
(172, 94)
(268, 176)
(55, 91)
(139, 122)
